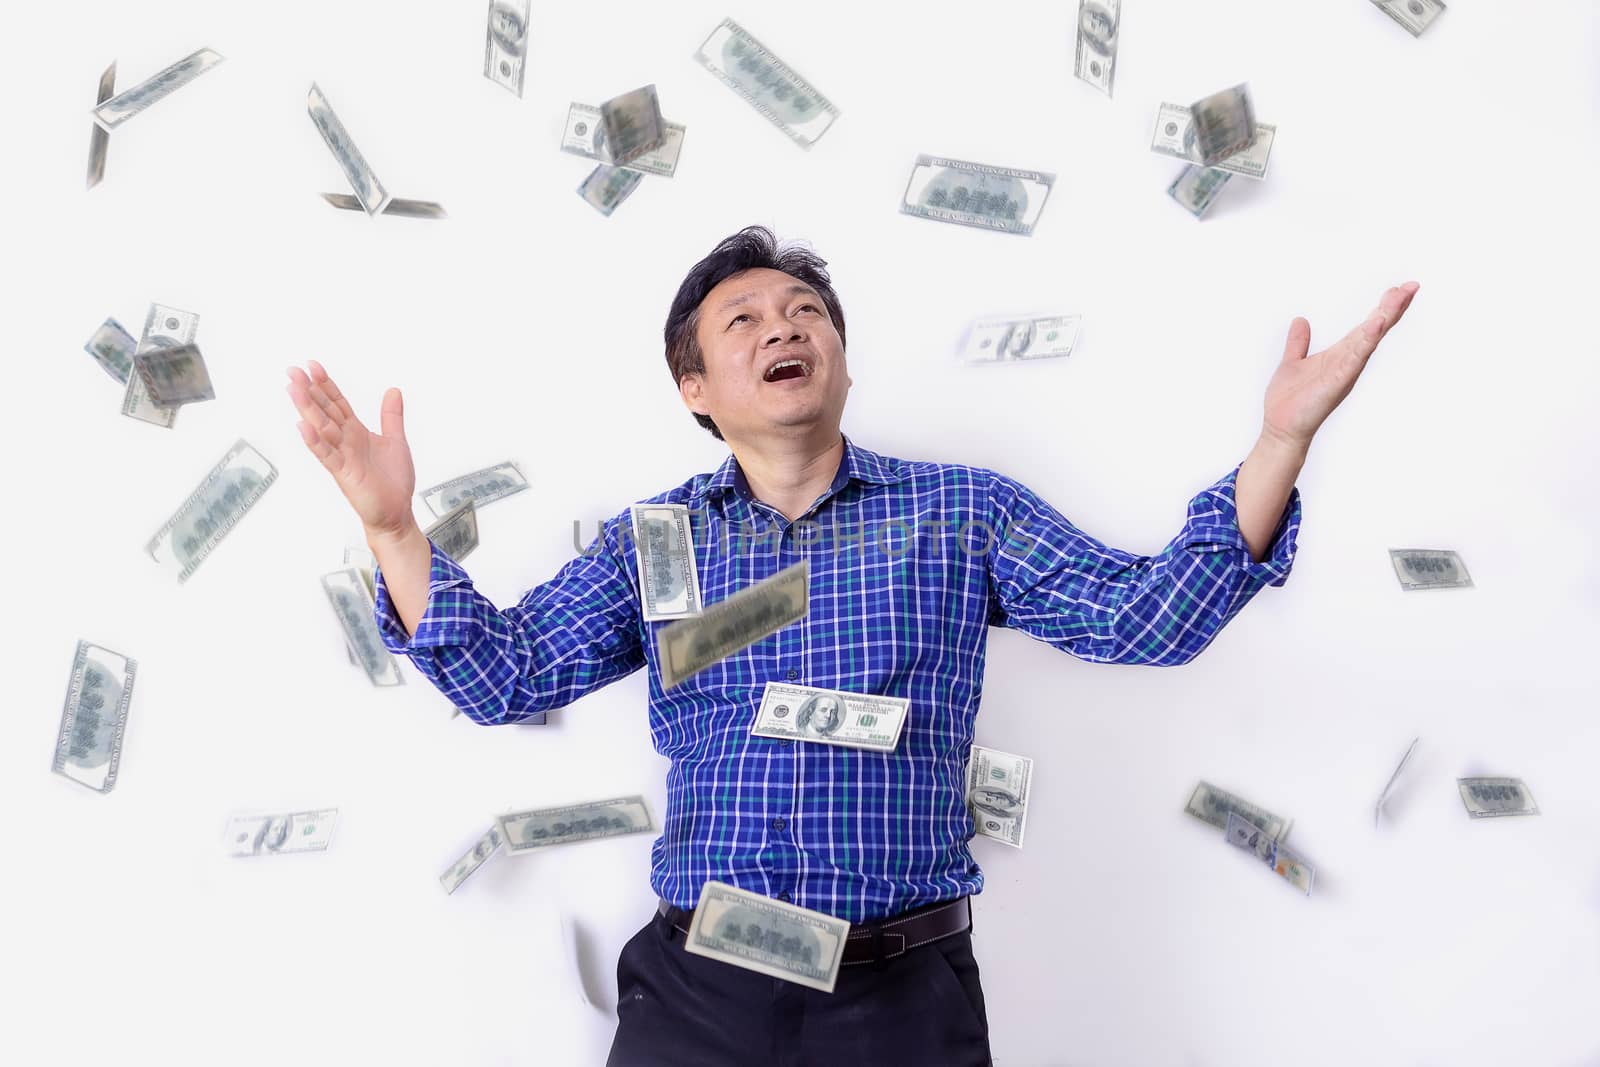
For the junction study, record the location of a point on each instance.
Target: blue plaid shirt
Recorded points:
(910, 564)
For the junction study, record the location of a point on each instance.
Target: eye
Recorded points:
(802, 307)
(737, 317)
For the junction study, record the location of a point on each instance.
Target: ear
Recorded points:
(691, 387)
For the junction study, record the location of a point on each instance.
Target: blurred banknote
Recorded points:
(164, 327)
(607, 186)
(688, 646)
(1210, 804)
(277, 835)
(505, 50)
(1011, 340)
(175, 376)
(365, 564)
(1414, 15)
(585, 136)
(669, 579)
(831, 717)
(1284, 861)
(767, 936)
(411, 209)
(1224, 123)
(465, 867)
(230, 489)
(89, 743)
(633, 125)
(456, 533)
(766, 82)
(1175, 136)
(1383, 799)
(975, 194)
(481, 487)
(1196, 187)
(997, 794)
(1486, 798)
(368, 189)
(128, 103)
(99, 139)
(536, 828)
(352, 604)
(1427, 568)
(112, 347)
(1096, 59)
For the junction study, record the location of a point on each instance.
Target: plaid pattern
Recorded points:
(903, 589)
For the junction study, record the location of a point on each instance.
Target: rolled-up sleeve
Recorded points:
(1057, 584)
(565, 638)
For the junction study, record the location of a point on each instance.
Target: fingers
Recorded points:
(1299, 341)
(314, 411)
(326, 454)
(1363, 340)
(393, 416)
(320, 376)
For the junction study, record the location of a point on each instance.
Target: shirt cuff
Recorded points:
(438, 626)
(1214, 522)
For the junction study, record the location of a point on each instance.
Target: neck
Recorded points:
(789, 473)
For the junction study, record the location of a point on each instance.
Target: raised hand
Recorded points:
(373, 471)
(1304, 390)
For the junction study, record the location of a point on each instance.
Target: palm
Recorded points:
(1304, 390)
(373, 471)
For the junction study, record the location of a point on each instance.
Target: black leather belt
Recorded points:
(884, 939)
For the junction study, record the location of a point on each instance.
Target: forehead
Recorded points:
(755, 283)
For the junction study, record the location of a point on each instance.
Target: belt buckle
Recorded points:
(878, 954)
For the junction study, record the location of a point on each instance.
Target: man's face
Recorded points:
(749, 323)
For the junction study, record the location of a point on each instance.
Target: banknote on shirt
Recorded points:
(222, 498)
(1175, 136)
(411, 209)
(975, 194)
(585, 136)
(830, 716)
(688, 646)
(633, 125)
(1414, 15)
(465, 867)
(1196, 187)
(1224, 123)
(128, 103)
(368, 189)
(164, 327)
(766, 83)
(175, 376)
(1383, 799)
(347, 595)
(607, 186)
(1487, 798)
(456, 533)
(1011, 340)
(1284, 861)
(1210, 804)
(1095, 61)
(505, 48)
(89, 743)
(669, 577)
(281, 834)
(99, 139)
(1428, 568)
(113, 347)
(768, 936)
(536, 828)
(997, 794)
(481, 487)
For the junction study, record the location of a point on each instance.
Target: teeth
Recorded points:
(779, 366)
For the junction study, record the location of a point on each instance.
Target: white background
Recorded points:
(527, 326)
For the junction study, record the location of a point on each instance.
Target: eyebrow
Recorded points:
(744, 298)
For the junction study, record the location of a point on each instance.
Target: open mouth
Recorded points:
(788, 370)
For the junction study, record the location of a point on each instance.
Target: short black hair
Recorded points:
(751, 248)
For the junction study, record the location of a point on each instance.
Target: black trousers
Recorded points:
(676, 1009)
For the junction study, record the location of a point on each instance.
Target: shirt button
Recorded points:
(791, 675)
(784, 897)
(779, 823)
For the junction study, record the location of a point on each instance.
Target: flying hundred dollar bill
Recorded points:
(164, 327)
(766, 83)
(768, 936)
(976, 194)
(997, 794)
(113, 347)
(175, 376)
(1095, 60)
(669, 577)
(89, 743)
(1487, 798)
(830, 717)
(505, 49)
(128, 103)
(456, 533)
(368, 189)
(1414, 15)
(99, 139)
(1196, 187)
(228, 491)
(398, 206)
(1212, 805)
(1427, 568)
(352, 604)
(633, 125)
(279, 835)
(1175, 136)
(688, 646)
(585, 136)
(607, 186)
(537, 828)
(1012, 340)
(487, 846)
(482, 487)
(1284, 861)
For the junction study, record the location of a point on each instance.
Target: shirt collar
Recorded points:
(857, 463)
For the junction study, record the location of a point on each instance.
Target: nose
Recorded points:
(782, 331)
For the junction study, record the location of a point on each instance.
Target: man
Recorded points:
(901, 598)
